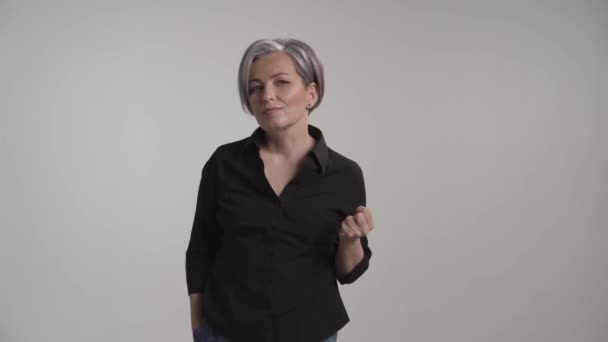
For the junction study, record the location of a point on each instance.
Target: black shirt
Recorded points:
(266, 264)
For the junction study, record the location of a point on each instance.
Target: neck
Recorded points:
(290, 142)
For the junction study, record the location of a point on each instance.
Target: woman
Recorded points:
(279, 215)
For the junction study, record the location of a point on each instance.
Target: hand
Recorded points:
(357, 225)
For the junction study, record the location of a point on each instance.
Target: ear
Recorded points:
(313, 93)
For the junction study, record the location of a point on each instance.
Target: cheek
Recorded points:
(255, 101)
(294, 97)
(254, 98)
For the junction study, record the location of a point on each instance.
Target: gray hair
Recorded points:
(305, 60)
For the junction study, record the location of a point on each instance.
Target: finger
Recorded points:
(347, 231)
(359, 230)
(351, 228)
(362, 223)
(368, 215)
(369, 218)
(350, 221)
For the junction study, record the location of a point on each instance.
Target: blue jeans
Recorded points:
(205, 334)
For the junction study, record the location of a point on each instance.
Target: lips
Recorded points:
(269, 110)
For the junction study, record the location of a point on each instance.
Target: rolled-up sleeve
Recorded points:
(359, 199)
(204, 237)
(361, 267)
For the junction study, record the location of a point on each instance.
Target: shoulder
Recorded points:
(349, 172)
(228, 150)
(341, 163)
(222, 153)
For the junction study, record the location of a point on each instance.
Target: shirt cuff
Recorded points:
(356, 272)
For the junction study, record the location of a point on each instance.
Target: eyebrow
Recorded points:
(273, 76)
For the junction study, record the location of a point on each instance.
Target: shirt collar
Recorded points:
(319, 151)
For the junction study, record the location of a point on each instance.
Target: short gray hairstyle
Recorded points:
(304, 58)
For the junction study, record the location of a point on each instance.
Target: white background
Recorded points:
(480, 128)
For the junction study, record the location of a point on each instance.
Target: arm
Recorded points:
(352, 260)
(203, 243)
(349, 255)
(353, 253)
(195, 310)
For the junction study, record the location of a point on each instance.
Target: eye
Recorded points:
(283, 82)
(253, 89)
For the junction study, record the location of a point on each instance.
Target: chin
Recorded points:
(274, 123)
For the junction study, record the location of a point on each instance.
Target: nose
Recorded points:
(268, 93)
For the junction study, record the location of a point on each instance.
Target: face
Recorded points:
(277, 94)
